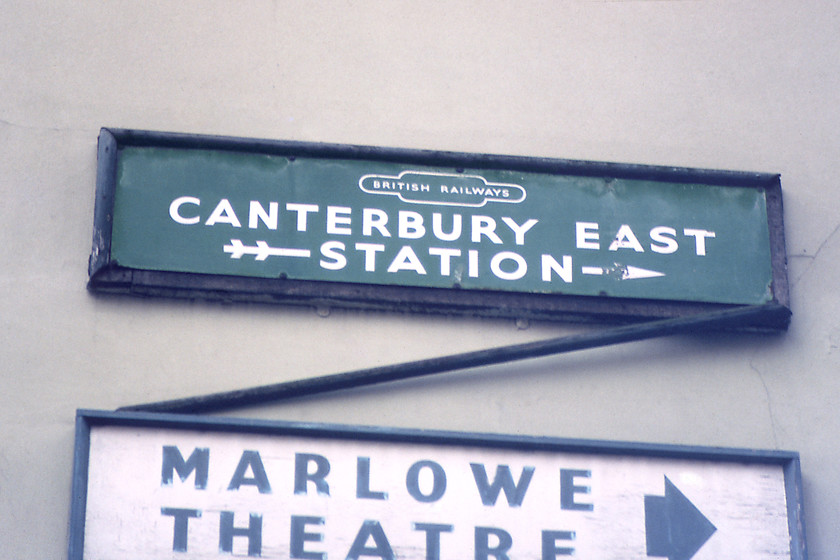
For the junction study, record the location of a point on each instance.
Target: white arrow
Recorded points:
(633, 272)
(262, 250)
(624, 272)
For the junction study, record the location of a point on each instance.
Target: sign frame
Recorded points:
(88, 420)
(107, 276)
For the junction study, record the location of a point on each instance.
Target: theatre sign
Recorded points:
(227, 218)
(153, 486)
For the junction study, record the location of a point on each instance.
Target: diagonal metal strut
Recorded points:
(736, 317)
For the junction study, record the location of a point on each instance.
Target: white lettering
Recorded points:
(472, 263)
(223, 214)
(338, 220)
(333, 250)
(302, 211)
(370, 250)
(445, 257)
(484, 225)
(437, 227)
(406, 259)
(175, 210)
(374, 218)
(665, 237)
(586, 235)
(410, 225)
(257, 212)
(564, 271)
(516, 274)
(519, 231)
(700, 236)
(626, 239)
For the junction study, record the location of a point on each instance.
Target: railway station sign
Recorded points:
(227, 218)
(152, 486)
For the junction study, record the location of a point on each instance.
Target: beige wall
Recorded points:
(747, 85)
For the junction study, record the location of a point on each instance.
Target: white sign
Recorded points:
(157, 490)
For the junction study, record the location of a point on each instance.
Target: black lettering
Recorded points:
(303, 476)
(412, 481)
(433, 531)
(381, 547)
(483, 550)
(260, 480)
(514, 492)
(299, 538)
(253, 533)
(568, 489)
(550, 549)
(363, 481)
(182, 519)
(173, 461)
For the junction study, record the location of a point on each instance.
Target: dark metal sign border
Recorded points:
(106, 276)
(88, 419)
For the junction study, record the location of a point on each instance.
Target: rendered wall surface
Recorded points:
(750, 85)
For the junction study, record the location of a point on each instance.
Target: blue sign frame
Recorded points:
(655, 506)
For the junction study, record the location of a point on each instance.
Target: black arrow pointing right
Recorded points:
(674, 526)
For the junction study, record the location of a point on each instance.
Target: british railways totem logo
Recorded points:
(446, 189)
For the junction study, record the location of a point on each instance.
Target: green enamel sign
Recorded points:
(319, 213)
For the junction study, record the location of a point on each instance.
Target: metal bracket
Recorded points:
(732, 318)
